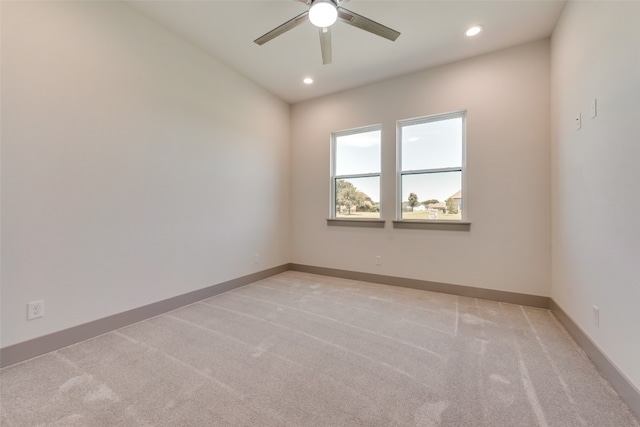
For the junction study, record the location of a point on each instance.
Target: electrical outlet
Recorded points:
(256, 258)
(35, 309)
(378, 260)
(578, 121)
(596, 316)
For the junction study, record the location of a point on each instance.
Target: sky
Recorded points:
(436, 144)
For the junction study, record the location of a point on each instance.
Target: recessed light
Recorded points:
(307, 80)
(474, 31)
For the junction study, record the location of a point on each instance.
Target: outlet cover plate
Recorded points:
(35, 309)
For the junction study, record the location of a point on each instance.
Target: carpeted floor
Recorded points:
(304, 350)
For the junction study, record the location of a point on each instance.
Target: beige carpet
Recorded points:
(304, 350)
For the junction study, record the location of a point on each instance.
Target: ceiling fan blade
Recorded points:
(367, 24)
(290, 24)
(325, 45)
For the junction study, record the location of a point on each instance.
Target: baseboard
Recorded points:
(466, 291)
(29, 349)
(620, 383)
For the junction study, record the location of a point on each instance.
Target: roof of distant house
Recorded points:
(442, 205)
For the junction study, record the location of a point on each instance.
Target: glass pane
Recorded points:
(358, 153)
(432, 145)
(358, 197)
(432, 196)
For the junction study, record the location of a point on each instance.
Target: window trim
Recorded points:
(399, 222)
(333, 177)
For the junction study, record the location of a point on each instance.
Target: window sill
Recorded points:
(432, 225)
(370, 223)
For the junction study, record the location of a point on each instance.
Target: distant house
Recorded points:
(441, 206)
(458, 198)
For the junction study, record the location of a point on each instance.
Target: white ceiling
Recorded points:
(432, 33)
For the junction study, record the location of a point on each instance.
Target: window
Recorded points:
(431, 153)
(355, 173)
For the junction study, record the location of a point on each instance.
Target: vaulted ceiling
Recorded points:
(432, 33)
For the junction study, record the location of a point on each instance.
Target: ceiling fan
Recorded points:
(323, 14)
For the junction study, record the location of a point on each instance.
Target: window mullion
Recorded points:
(440, 170)
(360, 175)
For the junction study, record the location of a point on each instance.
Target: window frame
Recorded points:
(400, 222)
(333, 218)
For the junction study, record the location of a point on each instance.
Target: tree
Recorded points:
(452, 205)
(347, 195)
(431, 202)
(413, 200)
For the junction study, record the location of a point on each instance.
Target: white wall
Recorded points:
(595, 175)
(134, 166)
(506, 95)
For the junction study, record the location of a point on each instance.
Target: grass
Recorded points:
(405, 215)
(359, 215)
(425, 215)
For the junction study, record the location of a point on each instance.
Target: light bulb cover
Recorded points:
(323, 13)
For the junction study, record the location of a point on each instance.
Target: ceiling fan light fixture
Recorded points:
(323, 13)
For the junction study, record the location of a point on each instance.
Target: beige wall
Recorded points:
(595, 175)
(506, 95)
(134, 166)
